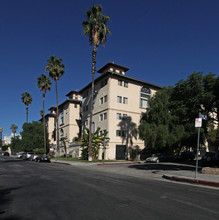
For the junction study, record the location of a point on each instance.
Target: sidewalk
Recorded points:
(179, 175)
(189, 177)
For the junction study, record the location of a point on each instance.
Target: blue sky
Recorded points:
(161, 41)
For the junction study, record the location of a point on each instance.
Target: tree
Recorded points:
(159, 128)
(96, 140)
(14, 128)
(95, 28)
(56, 70)
(196, 94)
(44, 84)
(26, 99)
(33, 136)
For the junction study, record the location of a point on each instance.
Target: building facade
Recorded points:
(119, 101)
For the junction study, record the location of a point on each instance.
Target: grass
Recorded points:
(86, 161)
(79, 160)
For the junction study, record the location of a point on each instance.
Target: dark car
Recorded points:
(42, 158)
(210, 157)
(187, 155)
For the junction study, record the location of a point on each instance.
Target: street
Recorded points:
(30, 190)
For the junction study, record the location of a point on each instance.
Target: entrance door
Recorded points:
(120, 152)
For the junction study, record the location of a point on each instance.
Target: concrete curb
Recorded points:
(61, 162)
(193, 181)
(119, 163)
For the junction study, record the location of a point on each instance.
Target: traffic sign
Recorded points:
(198, 122)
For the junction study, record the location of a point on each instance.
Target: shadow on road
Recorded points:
(5, 200)
(163, 166)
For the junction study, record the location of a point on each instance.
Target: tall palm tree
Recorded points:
(95, 28)
(56, 70)
(44, 84)
(26, 99)
(14, 128)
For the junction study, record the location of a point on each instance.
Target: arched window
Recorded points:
(145, 94)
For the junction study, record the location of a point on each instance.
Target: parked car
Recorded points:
(156, 158)
(33, 157)
(19, 155)
(42, 158)
(186, 155)
(210, 157)
(5, 153)
(27, 155)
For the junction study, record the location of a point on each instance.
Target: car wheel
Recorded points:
(157, 161)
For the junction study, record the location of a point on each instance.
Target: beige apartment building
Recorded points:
(119, 101)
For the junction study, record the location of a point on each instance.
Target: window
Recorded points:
(119, 82)
(125, 84)
(124, 116)
(119, 99)
(119, 116)
(76, 105)
(125, 100)
(104, 82)
(105, 116)
(61, 120)
(101, 100)
(93, 127)
(118, 133)
(144, 96)
(101, 117)
(61, 133)
(123, 133)
(105, 98)
(76, 96)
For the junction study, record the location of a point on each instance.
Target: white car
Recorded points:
(19, 155)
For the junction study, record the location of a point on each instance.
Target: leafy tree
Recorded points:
(16, 144)
(33, 136)
(159, 128)
(26, 99)
(196, 94)
(14, 128)
(56, 70)
(95, 28)
(44, 84)
(96, 139)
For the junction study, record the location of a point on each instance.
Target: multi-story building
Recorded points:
(69, 120)
(118, 103)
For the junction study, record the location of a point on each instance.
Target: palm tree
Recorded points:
(56, 70)
(14, 128)
(44, 84)
(95, 28)
(26, 99)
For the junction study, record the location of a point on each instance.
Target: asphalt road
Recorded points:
(30, 190)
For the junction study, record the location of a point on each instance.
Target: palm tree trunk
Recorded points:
(44, 123)
(27, 113)
(94, 53)
(57, 123)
